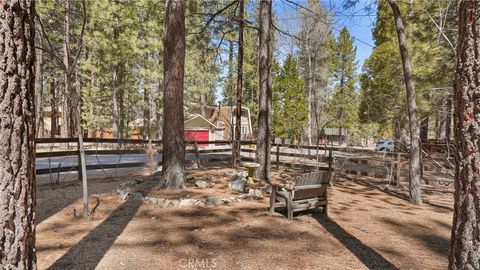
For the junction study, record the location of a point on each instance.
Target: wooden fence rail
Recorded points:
(198, 152)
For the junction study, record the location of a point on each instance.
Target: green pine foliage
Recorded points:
(290, 110)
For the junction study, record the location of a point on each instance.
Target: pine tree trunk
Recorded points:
(17, 135)
(53, 116)
(146, 114)
(66, 104)
(465, 240)
(238, 109)
(415, 177)
(399, 131)
(264, 134)
(173, 173)
(39, 91)
(116, 92)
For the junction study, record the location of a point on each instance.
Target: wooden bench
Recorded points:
(308, 191)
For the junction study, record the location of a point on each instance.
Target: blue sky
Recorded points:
(359, 20)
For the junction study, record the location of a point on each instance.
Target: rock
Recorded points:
(124, 192)
(253, 194)
(202, 184)
(238, 182)
(213, 201)
(136, 196)
(187, 202)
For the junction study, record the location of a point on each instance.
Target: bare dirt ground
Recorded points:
(368, 228)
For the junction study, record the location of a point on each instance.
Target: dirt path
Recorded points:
(368, 228)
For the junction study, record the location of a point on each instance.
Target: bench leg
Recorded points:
(289, 206)
(273, 197)
(325, 210)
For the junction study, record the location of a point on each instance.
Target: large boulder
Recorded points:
(238, 182)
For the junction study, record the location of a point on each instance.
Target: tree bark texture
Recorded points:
(264, 133)
(39, 90)
(66, 104)
(465, 240)
(173, 173)
(238, 109)
(17, 135)
(53, 116)
(415, 176)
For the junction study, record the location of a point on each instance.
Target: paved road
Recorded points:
(67, 161)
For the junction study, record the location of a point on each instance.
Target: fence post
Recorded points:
(330, 160)
(234, 163)
(278, 156)
(79, 162)
(197, 155)
(82, 167)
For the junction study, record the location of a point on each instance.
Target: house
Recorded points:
(223, 118)
(336, 136)
(199, 128)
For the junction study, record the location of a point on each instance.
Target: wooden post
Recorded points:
(277, 165)
(197, 155)
(233, 153)
(82, 169)
(330, 160)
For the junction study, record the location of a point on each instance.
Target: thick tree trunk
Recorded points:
(173, 173)
(17, 135)
(53, 116)
(231, 70)
(238, 109)
(116, 92)
(39, 91)
(465, 240)
(399, 135)
(415, 177)
(264, 133)
(66, 104)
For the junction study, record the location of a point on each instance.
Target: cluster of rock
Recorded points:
(162, 202)
(237, 183)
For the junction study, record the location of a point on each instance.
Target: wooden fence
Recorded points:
(131, 146)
